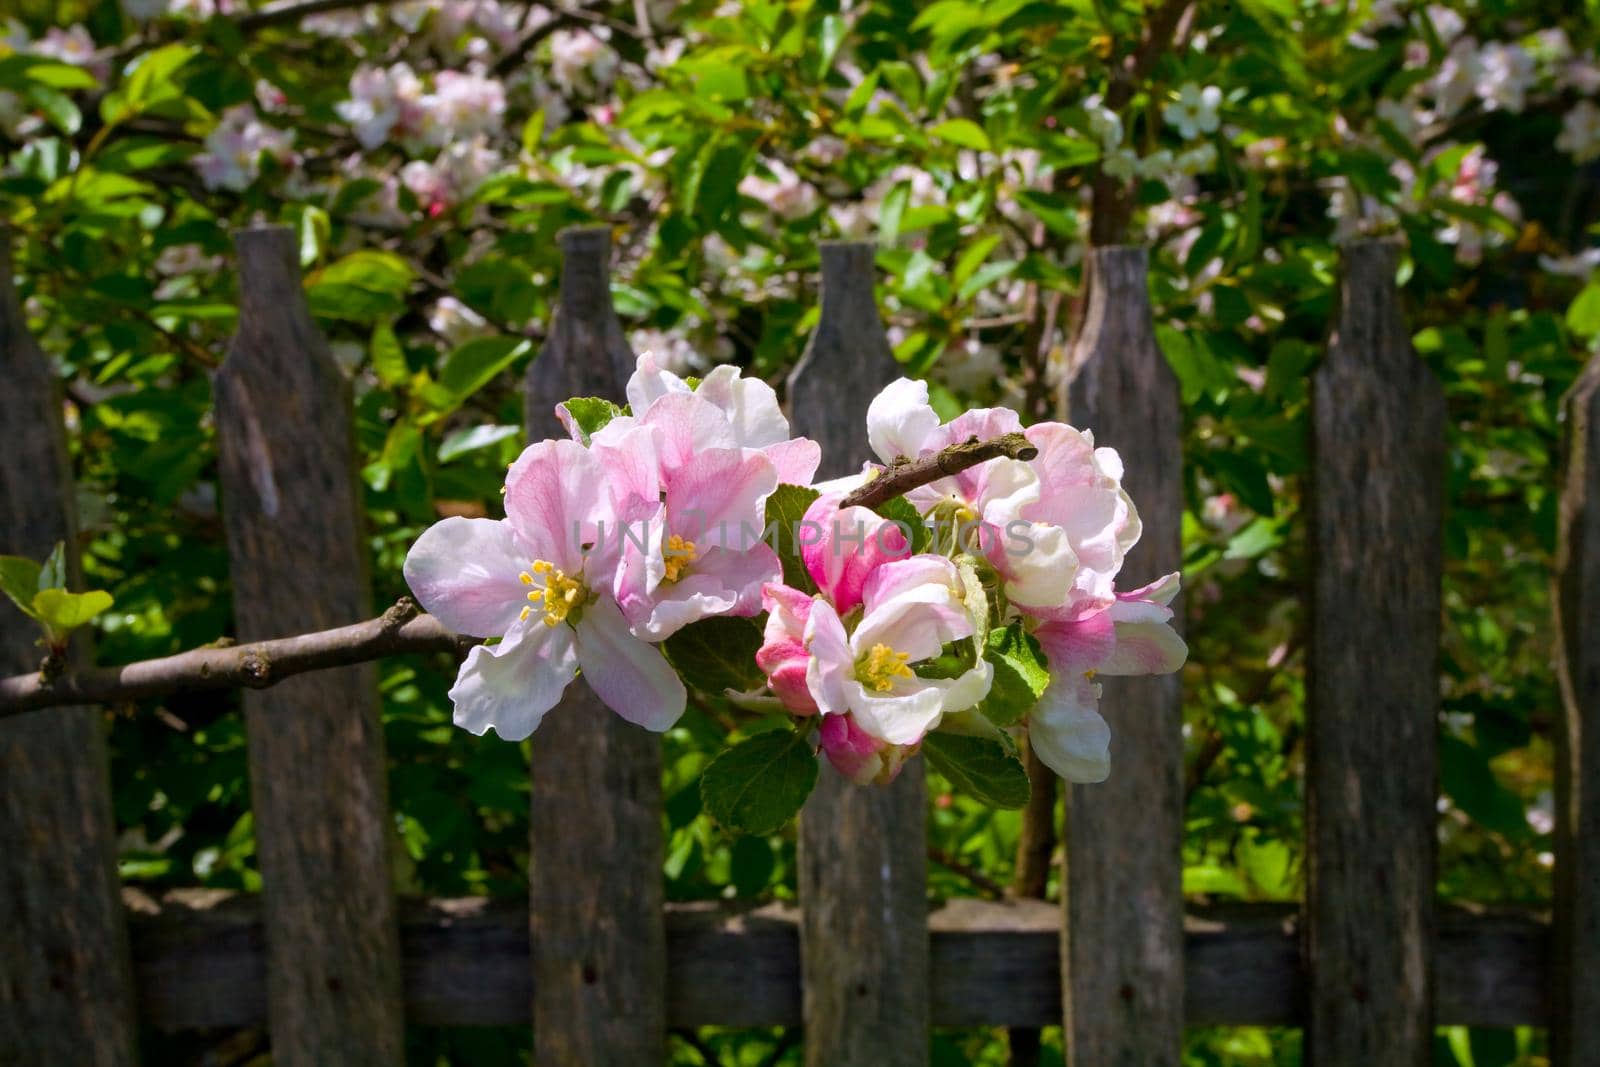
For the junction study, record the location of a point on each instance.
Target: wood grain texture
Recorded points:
(317, 767)
(1122, 899)
(1376, 512)
(65, 991)
(201, 964)
(863, 868)
(1575, 1032)
(595, 882)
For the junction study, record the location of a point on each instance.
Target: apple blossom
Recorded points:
(1130, 636)
(532, 580)
(859, 756)
(1580, 132)
(1194, 111)
(738, 412)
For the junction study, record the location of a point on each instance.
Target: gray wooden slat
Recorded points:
(595, 881)
(1575, 986)
(65, 988)
(862, 856)
(1122, 899)
(1376, 513)
(317, 768)
(201, 964)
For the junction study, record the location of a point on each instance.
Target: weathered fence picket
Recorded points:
(66, 993)
(1575, 981)
(596, 850)
(863, 852)
(1122, 896)
(1372, 686)
(318, 775)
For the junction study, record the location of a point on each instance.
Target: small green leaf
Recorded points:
(717, 653)
(62, 612)
(758, 785)
(981, 767)
(1583, 316)
(899, 509)
(19, 580)
(473, 364)
(785, 509)
(962, 132)
(1020, 674)
(591, 413)
(53, 575)
(388, 358)
(474, 438)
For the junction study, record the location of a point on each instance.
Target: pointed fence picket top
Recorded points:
(1122, 896)
(1372, 688)
(1575, 984)
(66, 993)
(596, 851)
(317, 770)
(863, 850)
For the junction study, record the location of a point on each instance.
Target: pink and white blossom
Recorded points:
(529, 580)
(1131, 636)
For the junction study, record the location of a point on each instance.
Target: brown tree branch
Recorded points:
(900, 478)
(397, 631)
(254, 666)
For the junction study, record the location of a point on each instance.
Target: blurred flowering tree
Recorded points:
(427, 153)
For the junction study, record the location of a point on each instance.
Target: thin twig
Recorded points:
(250, 666)
(900, 478)
(967, 871)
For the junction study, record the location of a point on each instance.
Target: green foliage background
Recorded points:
(969, 153)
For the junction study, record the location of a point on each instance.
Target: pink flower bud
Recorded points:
(841, 547)
(858, 755)
(783, 655)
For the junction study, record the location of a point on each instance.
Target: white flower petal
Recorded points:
(1067, 732)
(508, 687)
(632, 678)
(899, 420)
(465, 572)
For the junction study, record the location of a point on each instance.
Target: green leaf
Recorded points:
(57, 107)
(972, 258)
(591, 413)
(981, 767)
(473, 364)
(758, 785)
(362, 286)
(1020, 674)
(786, 508)
(388, 358)
(470, 440)
(53, 575)
(1583, 316)
(962, 132)
(829, 38)
(899, 509)
(19, 580)
(62, 612)
(717, 653)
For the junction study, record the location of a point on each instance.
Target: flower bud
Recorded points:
(858, 755)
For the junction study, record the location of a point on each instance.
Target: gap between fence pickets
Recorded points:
(199, 963)
(399, 630)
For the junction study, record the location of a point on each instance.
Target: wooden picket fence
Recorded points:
(334, 965)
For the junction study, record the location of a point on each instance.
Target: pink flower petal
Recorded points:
(633, 678)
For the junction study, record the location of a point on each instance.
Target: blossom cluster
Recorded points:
(654, 518)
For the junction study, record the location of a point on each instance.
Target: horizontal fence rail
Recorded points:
(200, 963)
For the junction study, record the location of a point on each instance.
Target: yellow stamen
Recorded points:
(881, 666)
(559, 596)
(678, 555)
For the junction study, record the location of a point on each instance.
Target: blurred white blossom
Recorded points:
(1194, 111)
